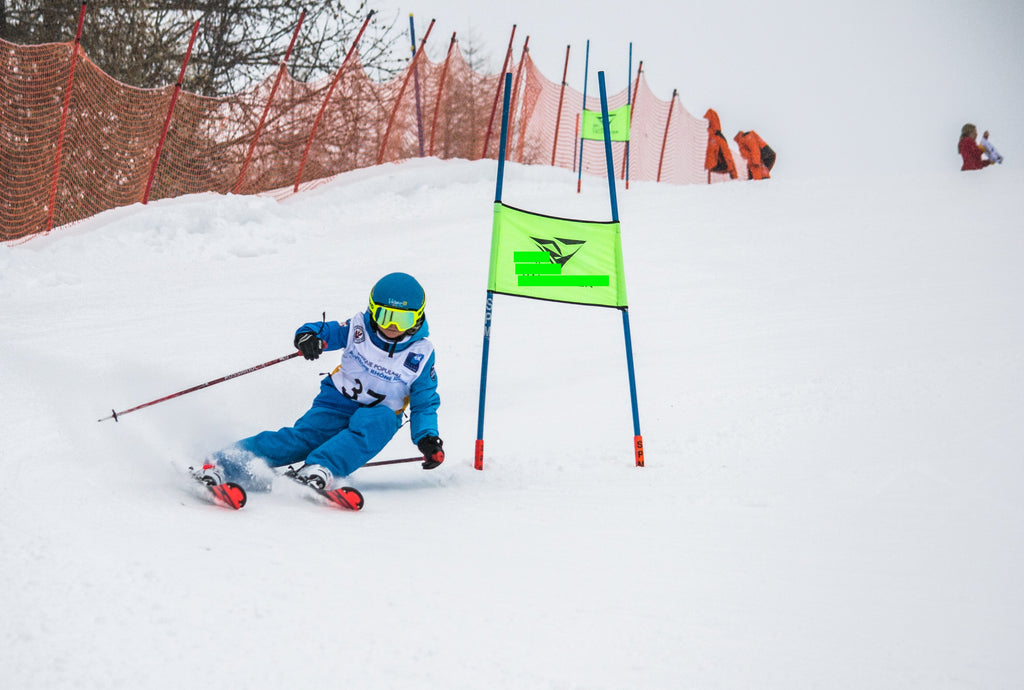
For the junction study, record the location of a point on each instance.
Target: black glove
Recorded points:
(308, 344)
(433, 456)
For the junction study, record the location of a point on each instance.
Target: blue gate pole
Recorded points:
(638, 441)
(416, 83)
(629, 102)
(478, 453)
(586, 69)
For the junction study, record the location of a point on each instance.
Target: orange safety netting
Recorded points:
(97, 150)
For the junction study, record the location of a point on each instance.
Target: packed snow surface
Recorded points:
(830, 379)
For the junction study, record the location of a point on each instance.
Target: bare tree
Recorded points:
(473, 52)
(141, 43)
(29, 22)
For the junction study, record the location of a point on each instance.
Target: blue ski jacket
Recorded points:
(422, 397)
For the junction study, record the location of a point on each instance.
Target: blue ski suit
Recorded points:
(358, 410)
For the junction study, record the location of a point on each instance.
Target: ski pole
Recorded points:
(418, 458)
(114, 415)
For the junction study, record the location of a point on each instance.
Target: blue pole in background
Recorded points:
(629, 102)
(638, 441)
(478, 454)
(416, 84)
(586, 68)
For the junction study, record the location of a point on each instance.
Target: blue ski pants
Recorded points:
(342, 440)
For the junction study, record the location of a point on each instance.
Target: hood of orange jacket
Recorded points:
(714, 124)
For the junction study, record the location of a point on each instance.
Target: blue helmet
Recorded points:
(397, 299)
(398, 290)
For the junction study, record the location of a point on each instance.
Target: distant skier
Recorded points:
(387, 365)
(969, 150)
(990, 150)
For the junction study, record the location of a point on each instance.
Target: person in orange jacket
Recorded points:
(759, 156)
(719, 157)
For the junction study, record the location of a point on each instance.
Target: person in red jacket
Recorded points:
(718, 158)
(753, 149)
(969, 149)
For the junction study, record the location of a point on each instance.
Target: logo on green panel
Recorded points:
(544, 268)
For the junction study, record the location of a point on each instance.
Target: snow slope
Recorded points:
(831, 390)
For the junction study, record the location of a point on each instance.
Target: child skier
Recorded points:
(990, 150)
(387, 364)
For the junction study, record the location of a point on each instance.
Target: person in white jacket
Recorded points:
(990, 150)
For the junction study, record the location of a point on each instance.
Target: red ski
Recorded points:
(346, 497)
(228, 495)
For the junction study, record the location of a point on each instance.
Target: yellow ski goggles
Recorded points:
(385, 316)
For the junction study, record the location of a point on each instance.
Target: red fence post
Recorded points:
(440, 92)
(405, 82)
(497, 94)
(327, 99)
(664, 140)
(561, 99)
(64, 119)
(266, 108)
(170, 112)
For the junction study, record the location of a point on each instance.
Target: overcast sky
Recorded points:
(833, 86)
